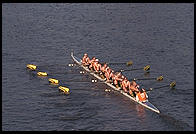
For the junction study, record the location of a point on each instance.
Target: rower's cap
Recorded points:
(86, 54)
(96, 60)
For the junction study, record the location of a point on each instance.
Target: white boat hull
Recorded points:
(146, 104)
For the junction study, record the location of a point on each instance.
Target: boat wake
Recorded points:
(178, 125)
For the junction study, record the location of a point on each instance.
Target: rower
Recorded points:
(117, 79)
(142, 96)
(124, 85)
(109, 74)
(91, 63)
(134, 87)
(85, 60)
(103, 71)
(130, 91)
(97, 66)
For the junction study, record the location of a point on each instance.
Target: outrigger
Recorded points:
(146, 104)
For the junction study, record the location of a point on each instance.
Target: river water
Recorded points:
(159, 35)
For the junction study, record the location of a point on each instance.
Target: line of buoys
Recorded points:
(51, 80)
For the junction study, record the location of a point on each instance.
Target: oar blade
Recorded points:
(129, 63)
(160, 78)
(173, 84)
(146, 68)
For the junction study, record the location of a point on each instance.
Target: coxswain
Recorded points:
(85, 60)
(142, 96)
(91, 63)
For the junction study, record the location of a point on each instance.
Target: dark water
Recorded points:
(44, 34)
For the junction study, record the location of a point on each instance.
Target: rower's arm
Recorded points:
(146, 96)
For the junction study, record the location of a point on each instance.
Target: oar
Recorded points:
(160, 78)
(146, 68)
(129, 63)
(171, 85)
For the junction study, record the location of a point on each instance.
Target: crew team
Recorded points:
(115, 78)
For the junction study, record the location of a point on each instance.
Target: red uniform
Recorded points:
(142, 96)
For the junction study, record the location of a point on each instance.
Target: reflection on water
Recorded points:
(141, 111)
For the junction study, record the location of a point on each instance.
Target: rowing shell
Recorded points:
(146, 104)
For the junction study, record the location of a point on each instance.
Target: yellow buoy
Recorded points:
(42, 74)
(64, 89)
(31, 66)
(160, 78)
(53, 81)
